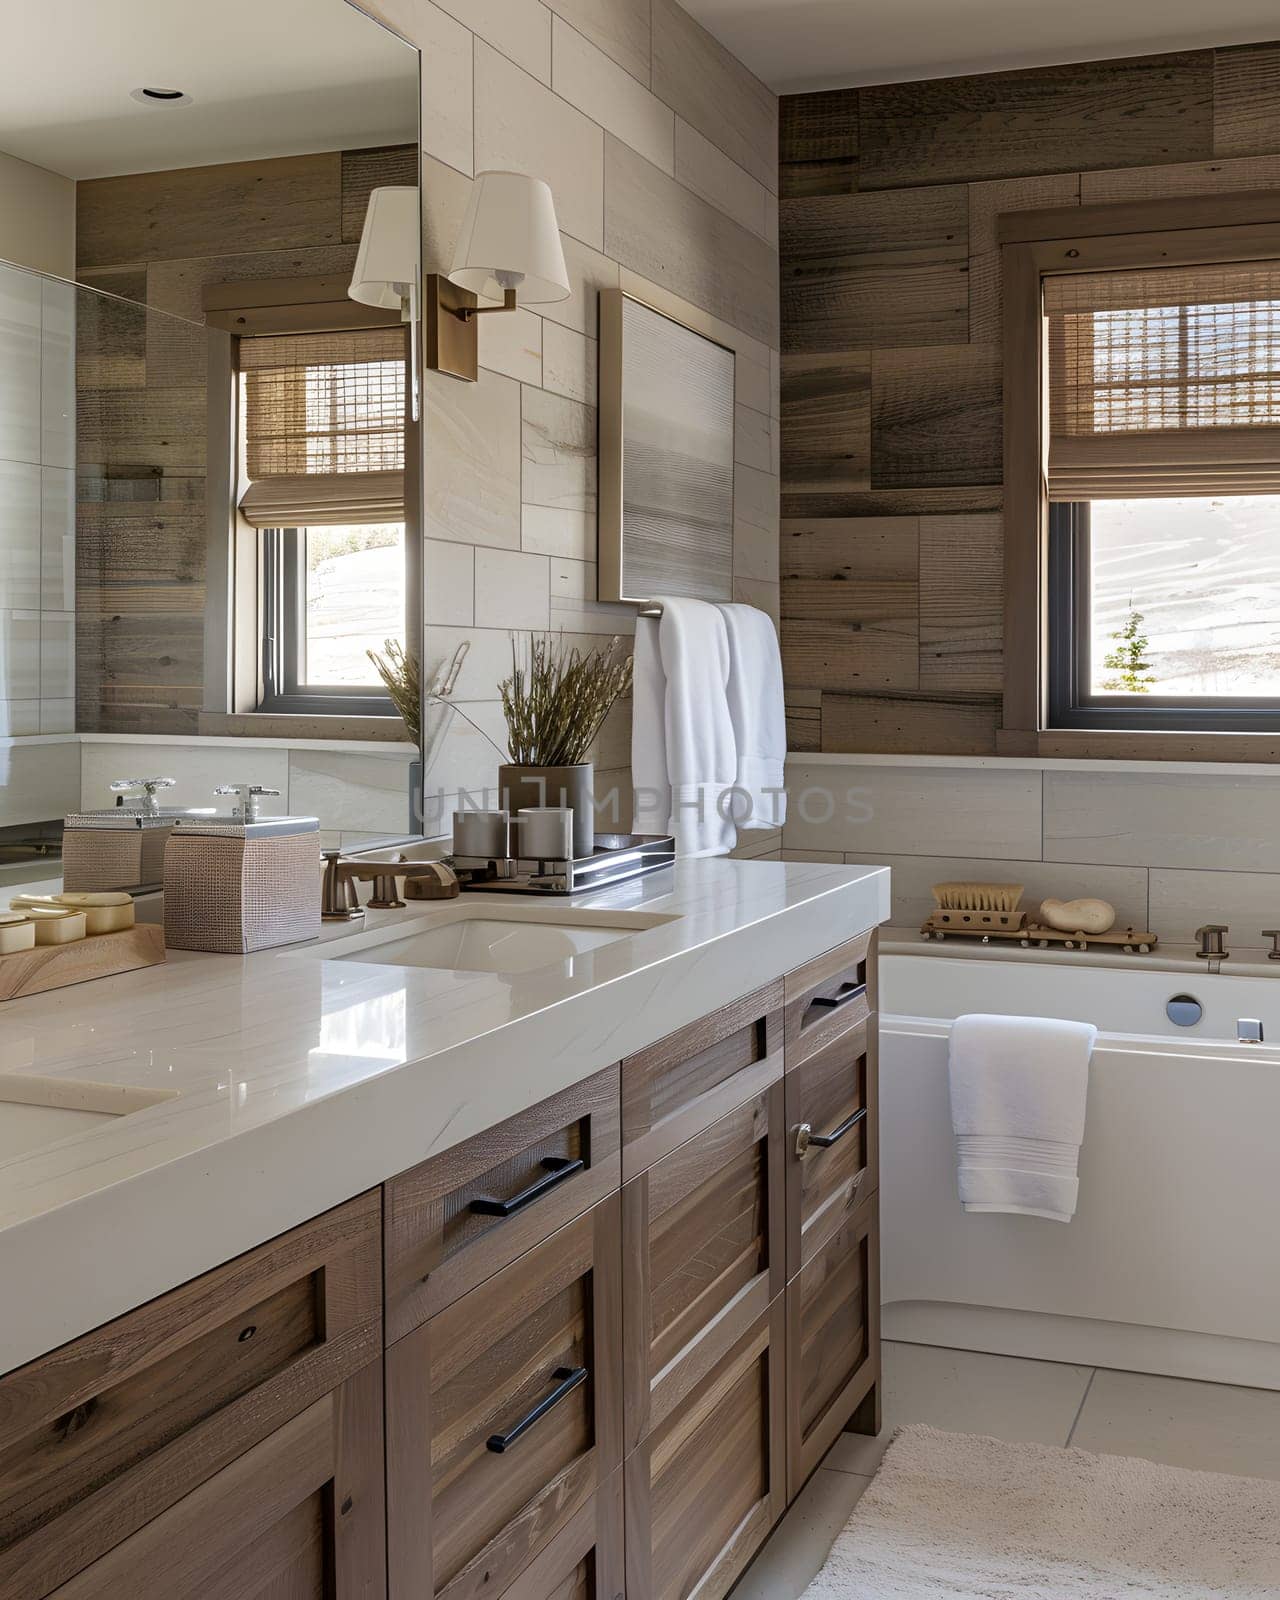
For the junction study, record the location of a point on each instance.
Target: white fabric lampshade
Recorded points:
(387, 263)
(510, 233)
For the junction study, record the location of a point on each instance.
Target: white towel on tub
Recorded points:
(1018, 1092)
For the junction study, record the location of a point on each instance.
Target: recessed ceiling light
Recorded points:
(154, 95)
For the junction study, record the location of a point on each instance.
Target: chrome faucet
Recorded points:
(1211, 938)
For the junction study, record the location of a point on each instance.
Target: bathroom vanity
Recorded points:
(540, 1285)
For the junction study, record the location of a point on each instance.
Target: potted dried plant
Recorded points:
(555, 702)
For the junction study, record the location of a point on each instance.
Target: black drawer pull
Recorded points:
(805, 1135)
(571, 1378)
(849, 992)
(557, 1169)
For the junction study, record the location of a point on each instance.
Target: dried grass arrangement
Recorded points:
(558, 696)
(400, 671)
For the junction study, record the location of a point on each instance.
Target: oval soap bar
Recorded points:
(1078, 916)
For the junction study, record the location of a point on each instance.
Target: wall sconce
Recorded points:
(386, 269)
(508, 250)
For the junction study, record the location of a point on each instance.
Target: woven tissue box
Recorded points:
(233, 888)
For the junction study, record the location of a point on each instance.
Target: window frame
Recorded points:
(283, 608)
(1041, 716)
(236, 637)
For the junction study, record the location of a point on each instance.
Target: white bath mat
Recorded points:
(952, 1516)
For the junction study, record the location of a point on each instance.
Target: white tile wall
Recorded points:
(20, 585)
(865, 810)
(1175, 819)
(1108, 829)
(511, 462)
(521, 126)
(609, 95)
(19, 366)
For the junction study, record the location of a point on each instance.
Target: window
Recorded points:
(1163, 474)
(323, 426)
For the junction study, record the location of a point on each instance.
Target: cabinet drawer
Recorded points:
(457, 1219)
(833, 1340)
(703, 1246)
(298, 1515)
(505, 1415)
(832, 1142)
(704, 1489)
(584, 1560)
(103, 1434)
(682, 1084)
(828, 996)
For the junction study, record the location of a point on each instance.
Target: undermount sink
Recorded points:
(36, 1112)
(485, 938)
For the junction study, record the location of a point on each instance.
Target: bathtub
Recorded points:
(1172, 1262)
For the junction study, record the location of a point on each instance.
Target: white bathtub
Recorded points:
(1172, 1262)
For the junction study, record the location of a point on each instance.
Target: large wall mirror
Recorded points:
(209, 467)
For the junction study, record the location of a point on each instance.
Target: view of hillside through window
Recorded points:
(355, 601)
(1202, 576)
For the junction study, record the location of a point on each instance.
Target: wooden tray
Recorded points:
(102, 955)
(1130, 941)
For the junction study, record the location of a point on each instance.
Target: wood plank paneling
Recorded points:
(961, 603)
(987, 201)
(955, 499)
(154, 216)
(908, 724)
(870, 270)
(1194, 177)
(178, 286)
(1142, 109)
(818, 143)
(869, 178)
(935, 416)
(1246, 100)
(826, 421)
(363, 170)
(850, 603)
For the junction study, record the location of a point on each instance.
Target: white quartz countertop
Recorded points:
(299, 1082)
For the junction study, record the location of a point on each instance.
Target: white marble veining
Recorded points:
(303, 1082)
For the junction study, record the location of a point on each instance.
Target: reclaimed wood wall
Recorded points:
(892, 538)
(157, 238)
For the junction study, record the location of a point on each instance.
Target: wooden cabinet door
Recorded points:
(460, 1217)
(300, 1516)
(584, 1560)
(706, 1486)
(103, 1434)
(703, 1246)
(504, 1415)
(832, 1141)
(829, 995)
(833, 1342)
(688, 1080)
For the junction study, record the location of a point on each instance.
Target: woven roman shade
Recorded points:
(324, 427)
(1164, 381)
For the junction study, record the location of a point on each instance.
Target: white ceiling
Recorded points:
(266, 77)
(824, 44)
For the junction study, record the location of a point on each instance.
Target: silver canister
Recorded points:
(545, 833)
(483, 835)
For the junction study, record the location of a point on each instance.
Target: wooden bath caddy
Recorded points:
(101, 955)
(1131, 941)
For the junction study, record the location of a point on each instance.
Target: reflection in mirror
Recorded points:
(208, 457)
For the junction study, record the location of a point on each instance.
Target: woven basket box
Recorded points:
(234, 892)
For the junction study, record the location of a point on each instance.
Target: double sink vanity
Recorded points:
(494, 1249)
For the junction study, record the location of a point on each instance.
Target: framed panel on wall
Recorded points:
(666, 456)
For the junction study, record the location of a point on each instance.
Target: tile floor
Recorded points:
(1206, 1425)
